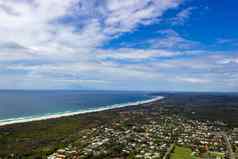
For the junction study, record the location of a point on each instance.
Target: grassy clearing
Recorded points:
(216, 154)
(181, 153)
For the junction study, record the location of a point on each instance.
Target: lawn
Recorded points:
(217, 154)
(182, 153)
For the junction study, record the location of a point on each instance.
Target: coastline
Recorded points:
(42, 138)
(19, 120)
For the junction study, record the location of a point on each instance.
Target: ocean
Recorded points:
(17, 106)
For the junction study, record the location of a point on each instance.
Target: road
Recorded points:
(168, 151)
(228, 146)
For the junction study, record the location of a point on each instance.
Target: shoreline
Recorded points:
(5, 122)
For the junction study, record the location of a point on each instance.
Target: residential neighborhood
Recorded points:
(154, 139)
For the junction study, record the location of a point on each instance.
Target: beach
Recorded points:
(31, 137)
(68, 113)
(41, 138)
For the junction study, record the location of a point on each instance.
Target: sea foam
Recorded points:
(71, 113)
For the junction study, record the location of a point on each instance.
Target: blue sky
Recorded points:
(163, 45)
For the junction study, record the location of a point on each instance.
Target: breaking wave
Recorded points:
(71, 113)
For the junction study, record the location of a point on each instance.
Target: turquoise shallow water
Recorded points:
(20, 106)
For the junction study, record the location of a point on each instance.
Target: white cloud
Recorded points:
(172, 40)
(192, 80)
(57, 44)
(126, 15)
(182, 16)
(38, 25)
(135, 54)
(228, 61)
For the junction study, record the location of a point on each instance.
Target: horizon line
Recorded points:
(156, 91)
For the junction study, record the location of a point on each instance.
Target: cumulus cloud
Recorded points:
(46, 38)
(42, 25)
(59, 44)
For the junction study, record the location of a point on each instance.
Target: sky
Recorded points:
(160, 45)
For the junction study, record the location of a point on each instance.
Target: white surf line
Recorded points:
(68, 113)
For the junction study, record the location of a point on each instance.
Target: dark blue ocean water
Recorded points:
(15, 104)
